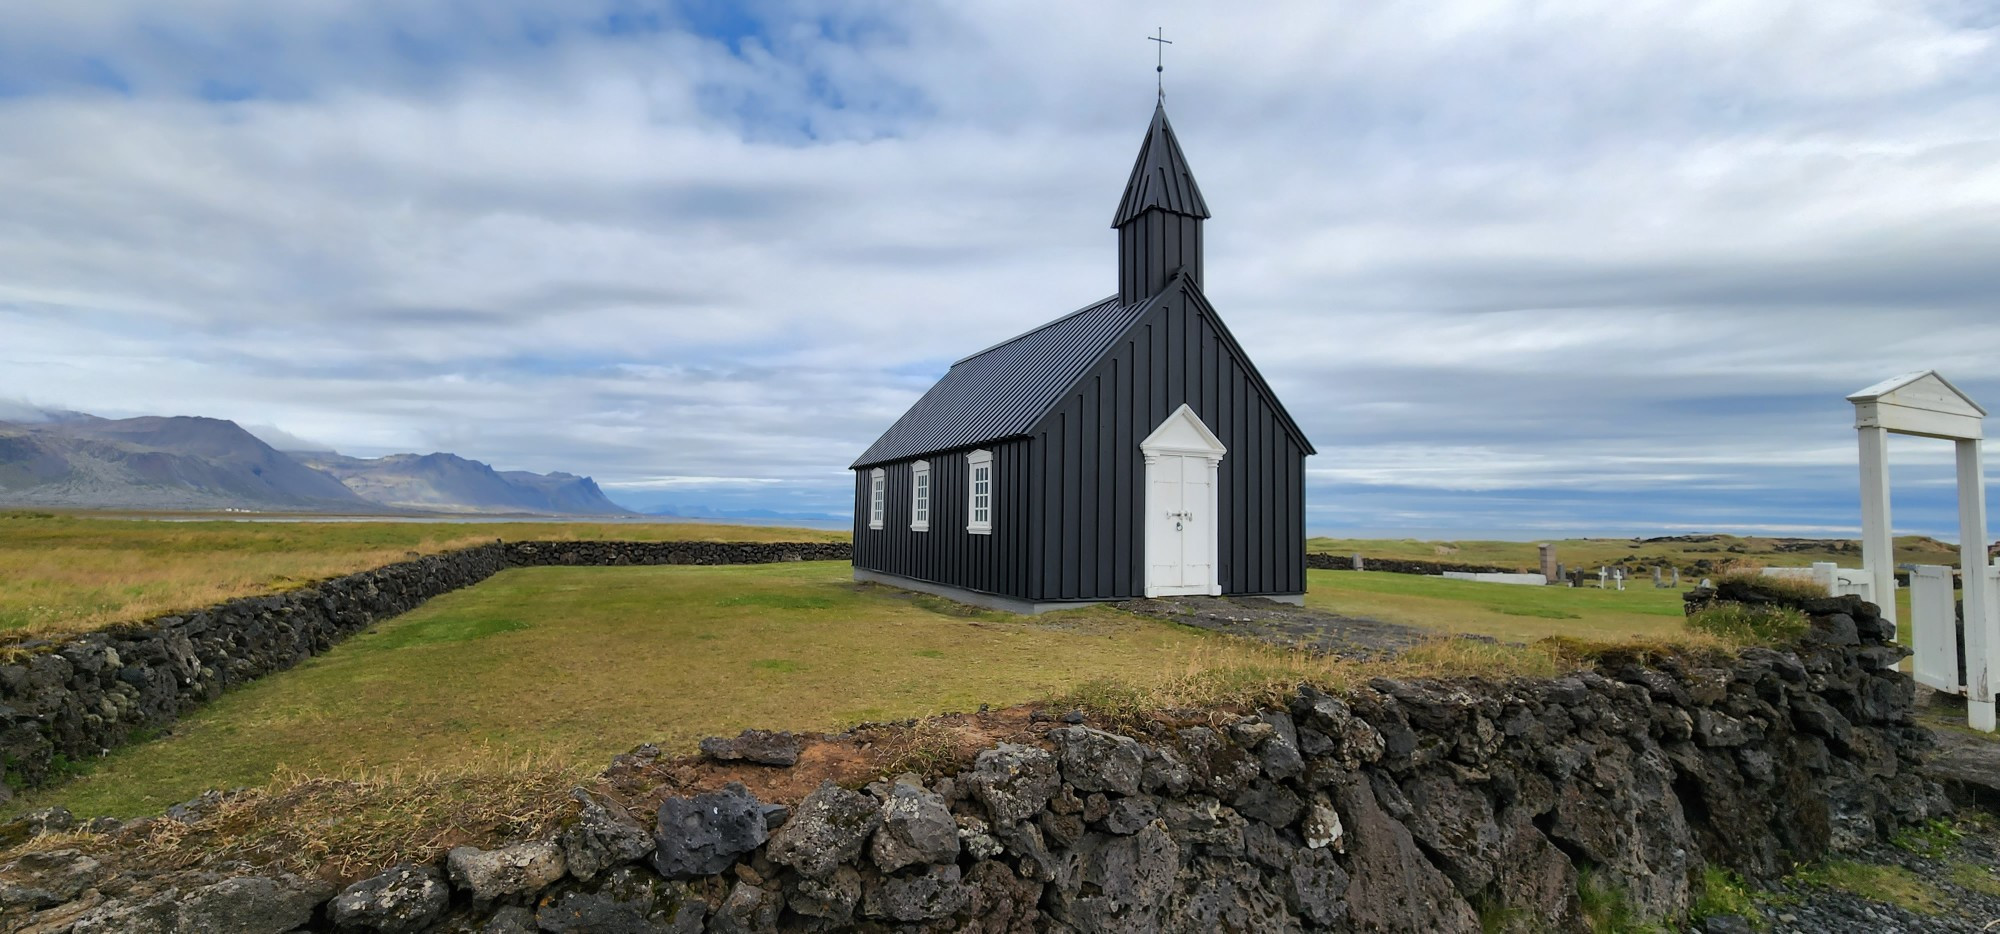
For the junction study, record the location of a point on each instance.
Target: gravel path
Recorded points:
(1285, 625)
(1962, 875)
(1797, 907)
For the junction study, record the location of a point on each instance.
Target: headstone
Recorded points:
(1618, 576)
(1357, 562)
(1659, 579)
(1677, 578)
(1603, 574)
(1548, 556)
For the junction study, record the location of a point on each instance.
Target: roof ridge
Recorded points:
(1041, 327)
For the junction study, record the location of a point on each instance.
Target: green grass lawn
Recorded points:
(1509, 612)
(62, 572)
(580, 664)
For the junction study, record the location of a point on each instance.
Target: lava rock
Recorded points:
(831, 899)
(916, 827)
(603, 836)
(630, 900)
(762, 747)
(827, 829)
(937, 892)
(1093, 760)
(748, 910)
(243, 905)
(515, 869)
(1012, 781)
(706, 834)
(46, 878)
(403, 900)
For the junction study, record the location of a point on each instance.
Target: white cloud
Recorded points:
(1477, 246)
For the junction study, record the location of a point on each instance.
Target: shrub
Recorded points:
(1782, 589)
(1750, 625)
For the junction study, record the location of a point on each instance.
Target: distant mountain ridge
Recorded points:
(450, 483)
(193, 463)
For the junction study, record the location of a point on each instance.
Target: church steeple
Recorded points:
(1159, 219)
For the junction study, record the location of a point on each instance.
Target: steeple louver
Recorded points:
(1159, 218)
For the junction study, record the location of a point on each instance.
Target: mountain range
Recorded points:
(72, 459)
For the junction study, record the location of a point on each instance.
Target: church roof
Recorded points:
(1160, 177)
(1002, 391)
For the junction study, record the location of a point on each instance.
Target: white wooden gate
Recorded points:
(1934, 628)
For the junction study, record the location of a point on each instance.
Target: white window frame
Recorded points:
(974, 463)
(920, 496)
(878, 497)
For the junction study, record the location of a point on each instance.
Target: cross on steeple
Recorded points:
(1160, 59)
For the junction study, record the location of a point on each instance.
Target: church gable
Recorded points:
(1180, 351)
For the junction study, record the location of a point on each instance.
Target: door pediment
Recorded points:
(1184, 433)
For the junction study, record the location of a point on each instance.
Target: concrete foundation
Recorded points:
(1005, 604)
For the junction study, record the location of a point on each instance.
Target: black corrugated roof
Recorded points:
(1000, 392)
(1160, 177)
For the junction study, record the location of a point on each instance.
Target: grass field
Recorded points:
(1508, 612)
(574, 665)
(579, 664)
(1682, 552)
(66, 573)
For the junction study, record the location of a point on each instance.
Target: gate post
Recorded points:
(1980, 637)
(1878, 548)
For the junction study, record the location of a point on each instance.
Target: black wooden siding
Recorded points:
(1152, 248)
(1092, 476)
(948, 554)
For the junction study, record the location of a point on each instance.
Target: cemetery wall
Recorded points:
(1448, 806)
(1327, 562)
(65, 701)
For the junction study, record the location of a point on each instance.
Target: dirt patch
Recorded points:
(1285, 625)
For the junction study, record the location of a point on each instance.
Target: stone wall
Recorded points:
(1402, 806)
(71, 699)
(1327, 562)
(594, 554)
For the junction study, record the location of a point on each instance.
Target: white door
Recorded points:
(1180, 540)
(1182, 459)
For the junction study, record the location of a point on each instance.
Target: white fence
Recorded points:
(1532, 580)
(1838, 581)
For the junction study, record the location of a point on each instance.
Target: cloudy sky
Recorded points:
(1542, 266)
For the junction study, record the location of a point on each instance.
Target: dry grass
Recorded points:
(347, 826)
(1233, 673)
(66, 573)
(1799, 589)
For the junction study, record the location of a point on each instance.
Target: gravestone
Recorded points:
(1357, 562)
(1549, 566)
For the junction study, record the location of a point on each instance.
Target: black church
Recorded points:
(1129, 448)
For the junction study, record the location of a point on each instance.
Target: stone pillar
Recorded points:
(1550, 570)
(1357, 562)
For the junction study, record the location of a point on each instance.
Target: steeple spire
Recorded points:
(1159, 218)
